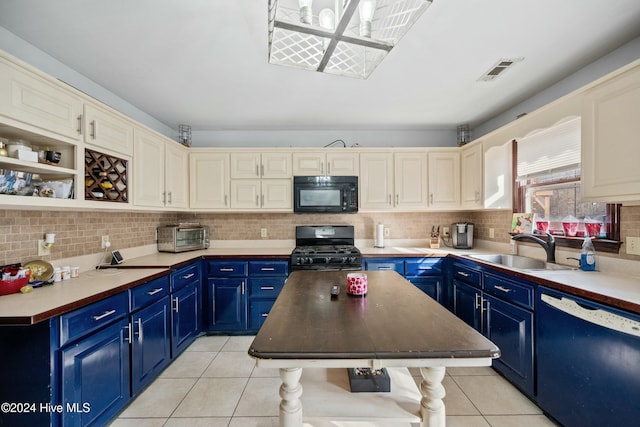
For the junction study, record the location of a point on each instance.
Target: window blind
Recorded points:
(550, 150)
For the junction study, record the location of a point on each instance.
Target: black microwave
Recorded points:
(325, 194)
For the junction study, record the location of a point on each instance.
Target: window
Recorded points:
(548, 185)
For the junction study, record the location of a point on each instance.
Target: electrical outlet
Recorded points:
(104, 241)
(445, 231)
(633, 245)
(386, 232)
(263, 233)
(492, 233)
(42, 250)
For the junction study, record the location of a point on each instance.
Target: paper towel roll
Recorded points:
(379, 236)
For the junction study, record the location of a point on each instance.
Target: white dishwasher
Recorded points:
(588, 361)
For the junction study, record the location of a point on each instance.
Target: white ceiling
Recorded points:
(204, 62)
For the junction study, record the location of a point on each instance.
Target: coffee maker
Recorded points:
(462, 235)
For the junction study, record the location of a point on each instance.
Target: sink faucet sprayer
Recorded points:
(548, 245)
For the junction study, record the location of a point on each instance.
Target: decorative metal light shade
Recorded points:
(351, 41)
(184, 135)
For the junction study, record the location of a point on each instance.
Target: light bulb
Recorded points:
(366, 8)
(327, 19)
(306, 13)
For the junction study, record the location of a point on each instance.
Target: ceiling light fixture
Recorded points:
(338, 40)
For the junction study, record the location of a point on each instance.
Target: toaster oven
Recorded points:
(182, 237)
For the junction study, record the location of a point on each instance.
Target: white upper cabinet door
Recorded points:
(245, 194)
(176, 175)
(444, 180)
(308, 163)
(342, 164)
(498, 176)
(208, 180)
(149, 171)
(276, 165)
(32, 100)
(411, 181)
(106, 129)
(610, 139)
(277, 194)
(471, 170)
(245, 165)
(376, 187)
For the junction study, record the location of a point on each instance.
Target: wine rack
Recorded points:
(105, 177)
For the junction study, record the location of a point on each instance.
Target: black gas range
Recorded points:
(325, 247)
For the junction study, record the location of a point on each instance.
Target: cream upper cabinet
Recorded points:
(376, 187)
(393, 181)
(498, 176)
(610, 146)
(176, 175)
(471, 177)
(208, 180)
(444, 179)
(248, 165)
(38, 104)
(160, 172)
(325, 163)
(410, 173)
(108, 130)
(273, 194)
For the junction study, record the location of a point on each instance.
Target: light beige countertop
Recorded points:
(51, 300)
(48, 301)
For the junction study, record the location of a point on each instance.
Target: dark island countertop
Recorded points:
(394, 321)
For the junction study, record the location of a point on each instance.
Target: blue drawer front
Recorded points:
(466, 274)
(268, 268)
(266, 287)
(385, 264)
(149, 292)
(423, 267)
(184, 276)
(228, 268)
(508, 290)
(83, 321)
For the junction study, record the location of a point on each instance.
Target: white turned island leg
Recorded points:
(290, 392)
(431, 405)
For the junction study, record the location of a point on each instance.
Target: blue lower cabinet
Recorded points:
(229, 304)
(185, 317)
(259, 310)
(150, 344)
(466, 303)
(385, 264)
(431, 286)
(95, 376)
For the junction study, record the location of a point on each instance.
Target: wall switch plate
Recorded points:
(104, 241)
(445, 231)
(386, 232)
(633, 245)
(263, 233)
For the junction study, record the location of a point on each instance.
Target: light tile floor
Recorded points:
(214, 383)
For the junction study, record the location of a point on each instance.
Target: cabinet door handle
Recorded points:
(257, 200)
(503, 289)
(103, 315)
(188, 276)
(262, 200)
(140, 336)
(176, 302)
(264, 314)
(261, 170)
(267, 269)
(463, 274)
(225, 200)
(155, 291)
(257, 170)
(170, 197)
(478, 303)
(267, 288)
(79, 124)
(127, 337)
(242, 288)
(431, 198)
(226, 270)
(385, 267)
(397, 199)
(389, 199)
(94, 129)
(164, 197)
(328, 167)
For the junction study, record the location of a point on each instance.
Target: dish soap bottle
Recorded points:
(588, 255)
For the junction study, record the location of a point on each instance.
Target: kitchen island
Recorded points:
(394, 325)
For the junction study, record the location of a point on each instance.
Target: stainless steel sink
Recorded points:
(520, 262)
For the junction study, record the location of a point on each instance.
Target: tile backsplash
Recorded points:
(78, 233)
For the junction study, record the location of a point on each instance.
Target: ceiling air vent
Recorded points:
(499, 68)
